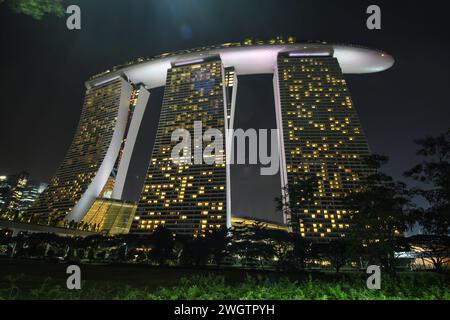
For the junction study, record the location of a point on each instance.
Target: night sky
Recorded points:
(44, 65)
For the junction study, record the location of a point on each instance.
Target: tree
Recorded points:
(126, 243)
(295, 197)
(19, 242)
(302, 250)
(338, 252)
(163, 243)
(219, 244)
(378, 215)
(196, 251)
(92, 244)
(39, 243)
(434, 249)
(36, 8)
(250, 244)
(434, 175)
(6, 239)
(5, 236)
(281, 247)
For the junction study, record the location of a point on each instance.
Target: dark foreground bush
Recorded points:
(404, 286)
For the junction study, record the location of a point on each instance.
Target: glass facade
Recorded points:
(29, 195)
(110, 216)
(12, 188)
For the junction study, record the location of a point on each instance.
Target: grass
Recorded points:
(22, 279)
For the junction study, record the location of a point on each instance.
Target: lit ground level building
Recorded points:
(319, 136)
(110, 217)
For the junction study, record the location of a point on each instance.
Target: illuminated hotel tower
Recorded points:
(93, 155)
(188, 199)
(321, 138)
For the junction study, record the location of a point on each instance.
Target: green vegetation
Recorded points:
(35, 279)
(369, 232)
(266, 263)
(36, 8)
(210, 286)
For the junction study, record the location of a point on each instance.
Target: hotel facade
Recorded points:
(319, 134)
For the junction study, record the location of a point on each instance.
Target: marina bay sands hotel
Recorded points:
(319, 134)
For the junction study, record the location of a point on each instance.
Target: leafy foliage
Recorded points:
(295, 197)
(434, 172)
(434, 249)
(434, 175)
(163, 243)
(352, 287)
(250, 245)
(338, 252)
(379, 215)
(36, 8)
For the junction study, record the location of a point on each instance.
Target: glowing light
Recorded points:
(255, 60)
(105, 81)
(309, 54)
(184, 63)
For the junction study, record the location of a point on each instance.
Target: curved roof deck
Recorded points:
(248, 60)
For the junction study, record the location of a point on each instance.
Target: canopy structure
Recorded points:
(248, 60)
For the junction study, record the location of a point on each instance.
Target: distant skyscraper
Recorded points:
(321, 141)
(11, 192)
(30, 194)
